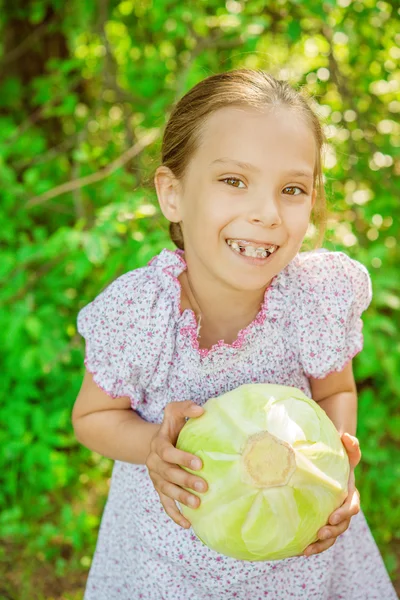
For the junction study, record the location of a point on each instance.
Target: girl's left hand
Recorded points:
(340, 519)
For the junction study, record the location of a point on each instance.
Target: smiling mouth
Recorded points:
(250, 249)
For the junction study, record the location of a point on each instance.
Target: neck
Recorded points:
(221, 308)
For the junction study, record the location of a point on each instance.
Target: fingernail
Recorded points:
(195, 464)
(335, 520)
(193, 501)
(198, 486)
(325, 535)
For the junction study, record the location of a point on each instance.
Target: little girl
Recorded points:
(235, 303)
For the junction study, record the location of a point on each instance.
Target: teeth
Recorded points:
(259, 252)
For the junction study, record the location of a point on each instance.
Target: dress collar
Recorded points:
(172, 263)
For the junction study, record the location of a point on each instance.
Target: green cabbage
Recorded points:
(276, 469)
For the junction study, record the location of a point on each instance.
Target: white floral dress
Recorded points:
(139, 344)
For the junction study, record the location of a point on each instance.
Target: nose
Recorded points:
(266, 213)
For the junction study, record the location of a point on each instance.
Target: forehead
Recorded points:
(272, 136)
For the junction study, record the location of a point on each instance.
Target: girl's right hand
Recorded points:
(164, 459)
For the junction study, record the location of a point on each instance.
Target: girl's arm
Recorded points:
(109, 426)
(337, 395)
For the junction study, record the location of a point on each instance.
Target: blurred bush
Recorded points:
(86, 88)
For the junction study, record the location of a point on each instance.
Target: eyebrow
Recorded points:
(250, 167)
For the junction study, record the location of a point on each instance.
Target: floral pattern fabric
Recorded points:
(140, 344)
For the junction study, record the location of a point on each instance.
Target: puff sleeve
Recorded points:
(122, 345)
(332, 292)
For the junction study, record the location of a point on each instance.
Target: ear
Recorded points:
(168, 192)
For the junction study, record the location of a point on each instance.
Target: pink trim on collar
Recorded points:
(238, 343)
(191, 329)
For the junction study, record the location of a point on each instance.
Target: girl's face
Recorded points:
(268, 200)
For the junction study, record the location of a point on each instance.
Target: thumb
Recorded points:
(352, 447)
(176, 414)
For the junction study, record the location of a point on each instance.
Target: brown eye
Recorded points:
(233, 179)
(294, 187)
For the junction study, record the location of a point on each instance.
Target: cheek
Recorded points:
(216, 216)
(205, 224)
(296, 220)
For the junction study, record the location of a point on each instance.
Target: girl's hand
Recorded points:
(164, 459)
(340, 518)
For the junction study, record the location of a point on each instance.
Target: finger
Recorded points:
(318, 547)
(352, 447)
(334, 518)
(329, 532)
(352, 440)
(173, 512)
(184, 479)
(169, 454)
(175, 416)
(177, 493)
(350, 508)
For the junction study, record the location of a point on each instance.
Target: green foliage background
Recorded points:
(86, 88)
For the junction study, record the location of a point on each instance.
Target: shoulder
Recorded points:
(130, 296)
(331, 274)
(132, 299)
(131, 323)
(329, 292)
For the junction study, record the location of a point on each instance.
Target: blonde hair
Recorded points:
(245, 88)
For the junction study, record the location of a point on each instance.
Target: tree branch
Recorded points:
(147, 139)
(19, 50)
(51, 153)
